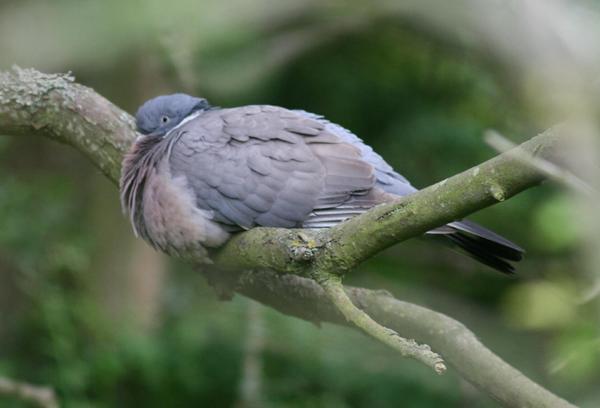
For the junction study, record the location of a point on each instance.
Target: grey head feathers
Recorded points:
(159, 115)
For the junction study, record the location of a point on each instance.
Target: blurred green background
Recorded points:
(106, 321)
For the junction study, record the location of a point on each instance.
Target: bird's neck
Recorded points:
(141, 160)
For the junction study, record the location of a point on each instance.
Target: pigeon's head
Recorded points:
(159, 115)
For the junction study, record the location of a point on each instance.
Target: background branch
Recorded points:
(40, 396)
(549, 169)
(54, 106)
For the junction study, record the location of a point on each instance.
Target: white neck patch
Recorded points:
(180, 124)
(184, 121)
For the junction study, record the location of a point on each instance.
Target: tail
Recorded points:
(484, 245)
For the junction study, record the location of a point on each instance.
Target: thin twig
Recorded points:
(251, 384)
(501, 144)
(590, 293)
(332, 284)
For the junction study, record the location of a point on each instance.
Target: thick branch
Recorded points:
(50, 105)
(32, 103)
(304, 298)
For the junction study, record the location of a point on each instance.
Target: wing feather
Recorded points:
(269, 166)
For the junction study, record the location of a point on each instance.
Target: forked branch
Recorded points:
(54, 106)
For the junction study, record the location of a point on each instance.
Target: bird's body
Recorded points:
(198, 174)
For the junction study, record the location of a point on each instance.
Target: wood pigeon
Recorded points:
(199, 173)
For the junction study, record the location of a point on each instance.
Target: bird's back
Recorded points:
(269, 166)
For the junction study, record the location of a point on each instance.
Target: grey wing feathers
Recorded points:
(478, 242)
(387, 179)
(268, 166)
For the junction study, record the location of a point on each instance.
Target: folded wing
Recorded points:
(268, 166)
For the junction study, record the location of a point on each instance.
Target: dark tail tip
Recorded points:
(487, 252)
(486, 246)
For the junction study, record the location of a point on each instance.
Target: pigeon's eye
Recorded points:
(164, 120)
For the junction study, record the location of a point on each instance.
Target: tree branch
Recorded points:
(41, 396)
(304, 298)
(549, 169)
(332, 285)
(54, 106)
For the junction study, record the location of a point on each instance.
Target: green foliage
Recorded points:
(541, 305)
(556, 222)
